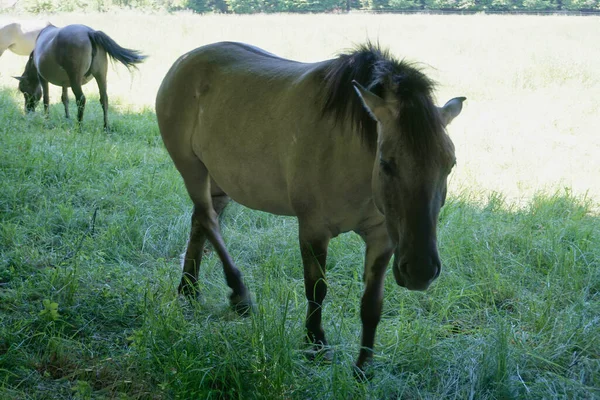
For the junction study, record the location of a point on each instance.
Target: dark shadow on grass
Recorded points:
(110, 295)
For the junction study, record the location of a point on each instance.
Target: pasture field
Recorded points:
(92, 226)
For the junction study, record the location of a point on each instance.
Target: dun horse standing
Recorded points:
(354, 143)
(70, 57)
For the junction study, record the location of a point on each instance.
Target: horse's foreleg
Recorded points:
(65, 100)
(313, 248)
(378, 253)
(45, 94)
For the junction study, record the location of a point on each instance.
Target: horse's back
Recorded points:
(67, 37)
(256, 122)
(238, 105)
(226, 77)
(20, 37)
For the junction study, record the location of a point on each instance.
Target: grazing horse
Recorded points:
(354, 143)
(70, 57)
(19, 37)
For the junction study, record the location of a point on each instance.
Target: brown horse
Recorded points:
(349, 144)
(70, 57)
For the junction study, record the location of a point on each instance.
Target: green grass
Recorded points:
(92, 227)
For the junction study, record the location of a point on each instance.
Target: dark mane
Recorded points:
(31, 73)
(384, 76)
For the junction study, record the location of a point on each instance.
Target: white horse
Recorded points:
(20, 37)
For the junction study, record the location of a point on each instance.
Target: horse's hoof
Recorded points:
(320, 353)
(188, 290)
(242, 304)
(362, 375)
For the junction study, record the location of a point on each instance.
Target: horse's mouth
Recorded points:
(400, 275)
(30, 105)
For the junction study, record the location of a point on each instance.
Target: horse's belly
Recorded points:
(54, 74)
(249, 175)
(255, 186)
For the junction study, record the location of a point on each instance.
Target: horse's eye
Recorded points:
(388, 167)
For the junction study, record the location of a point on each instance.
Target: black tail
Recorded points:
(127, 57)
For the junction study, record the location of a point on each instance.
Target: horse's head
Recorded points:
(413, 159)
(29, 85)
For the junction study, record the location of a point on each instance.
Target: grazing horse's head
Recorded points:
(414, 157)
(413, 153)
(29, 85)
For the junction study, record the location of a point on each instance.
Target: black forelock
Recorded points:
(383, 75)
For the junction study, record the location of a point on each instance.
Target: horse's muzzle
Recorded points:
(414, 276)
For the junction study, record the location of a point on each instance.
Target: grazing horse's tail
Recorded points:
(127, 57)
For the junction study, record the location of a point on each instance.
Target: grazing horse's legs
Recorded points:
(65, 100)
(378, 253)
(79, 98)
(313, 248)
(46, 94)
(100, 77)
(206, 226)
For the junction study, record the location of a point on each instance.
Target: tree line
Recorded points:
(322, 6)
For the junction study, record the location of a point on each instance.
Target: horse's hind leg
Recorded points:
(193, 256)
(79, 98)
(205, 225)
(65, 100)
(100, 77)
(220, 201)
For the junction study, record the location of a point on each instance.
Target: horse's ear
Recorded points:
(451, 109)
(19, 78)
(374, 104)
